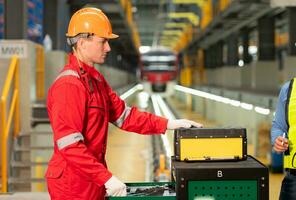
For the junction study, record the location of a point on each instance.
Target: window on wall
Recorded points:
(1, 19)
(35, 20)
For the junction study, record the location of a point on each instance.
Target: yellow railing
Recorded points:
(40, 70)
(14, 111)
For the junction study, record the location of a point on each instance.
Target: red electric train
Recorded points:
(159, 68)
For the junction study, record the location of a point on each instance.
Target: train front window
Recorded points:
(159, 62)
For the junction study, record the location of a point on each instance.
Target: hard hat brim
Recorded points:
(113, 36)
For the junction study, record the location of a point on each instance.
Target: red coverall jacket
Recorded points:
(79, 112)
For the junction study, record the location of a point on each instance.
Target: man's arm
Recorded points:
(279, 124)
(131, 119)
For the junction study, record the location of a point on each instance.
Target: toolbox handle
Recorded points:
(208, 158)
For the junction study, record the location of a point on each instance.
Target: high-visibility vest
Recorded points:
(290, 154)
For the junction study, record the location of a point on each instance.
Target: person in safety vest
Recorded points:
(80, 105)
(283, 137)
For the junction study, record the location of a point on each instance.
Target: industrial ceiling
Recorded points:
(178, 24)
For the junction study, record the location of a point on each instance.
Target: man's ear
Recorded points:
(81, 43)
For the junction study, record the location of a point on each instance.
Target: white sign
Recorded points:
(282, 3)
(9, 49)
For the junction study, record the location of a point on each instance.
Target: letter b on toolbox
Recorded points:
(219, 174)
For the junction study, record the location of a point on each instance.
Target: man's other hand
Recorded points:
(114, 187)
(281, 144)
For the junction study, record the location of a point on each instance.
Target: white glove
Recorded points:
(182, 123)
(114, 187)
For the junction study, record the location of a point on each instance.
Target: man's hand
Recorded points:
(281, 144)
(114, 187)
(182, 123)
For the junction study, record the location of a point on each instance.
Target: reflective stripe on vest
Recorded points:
(290, 154)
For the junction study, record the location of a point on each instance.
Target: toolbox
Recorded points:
(149, 191)
(210, 144)
(245, 179)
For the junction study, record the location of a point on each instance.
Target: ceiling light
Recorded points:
(144, 49)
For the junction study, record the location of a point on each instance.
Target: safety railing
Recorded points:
(40, 72)
(12, 80)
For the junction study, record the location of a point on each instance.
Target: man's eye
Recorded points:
(103, 41)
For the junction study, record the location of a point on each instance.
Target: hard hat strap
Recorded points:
(83, 73)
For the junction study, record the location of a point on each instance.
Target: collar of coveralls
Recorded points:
(90, 70)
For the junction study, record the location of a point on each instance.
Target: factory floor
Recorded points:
(128, 153)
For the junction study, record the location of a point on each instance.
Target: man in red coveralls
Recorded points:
(80, 104)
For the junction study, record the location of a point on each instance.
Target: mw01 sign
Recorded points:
(9, 49)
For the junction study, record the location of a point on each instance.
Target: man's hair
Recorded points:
(72, 41)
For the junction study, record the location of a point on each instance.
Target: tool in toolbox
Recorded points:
(210, 144)
(149, 191)
(157, 190)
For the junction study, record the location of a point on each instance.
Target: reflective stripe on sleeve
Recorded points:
(69, 139)
(123, 116)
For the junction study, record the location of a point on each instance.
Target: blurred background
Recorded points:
(218, 62)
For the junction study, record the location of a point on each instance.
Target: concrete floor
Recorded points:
(26, 196)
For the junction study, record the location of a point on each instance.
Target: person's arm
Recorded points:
(279, 124)
(67, 118)
(131, 119)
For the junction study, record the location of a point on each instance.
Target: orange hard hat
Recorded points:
(90, 20)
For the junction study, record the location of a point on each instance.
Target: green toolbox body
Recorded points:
(149, 191)
(246, 179)
(210, 144)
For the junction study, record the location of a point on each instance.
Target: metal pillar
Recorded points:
(232, 50)
(50, 21)
(266, 32)
(211, 56)
(219, 54)
(15, 19)
(292, 30)
(246, 55)
(207, 58)
(55, 22)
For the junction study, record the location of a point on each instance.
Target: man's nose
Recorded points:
(107, 47)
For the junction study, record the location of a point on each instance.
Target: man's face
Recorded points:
(95, 49)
